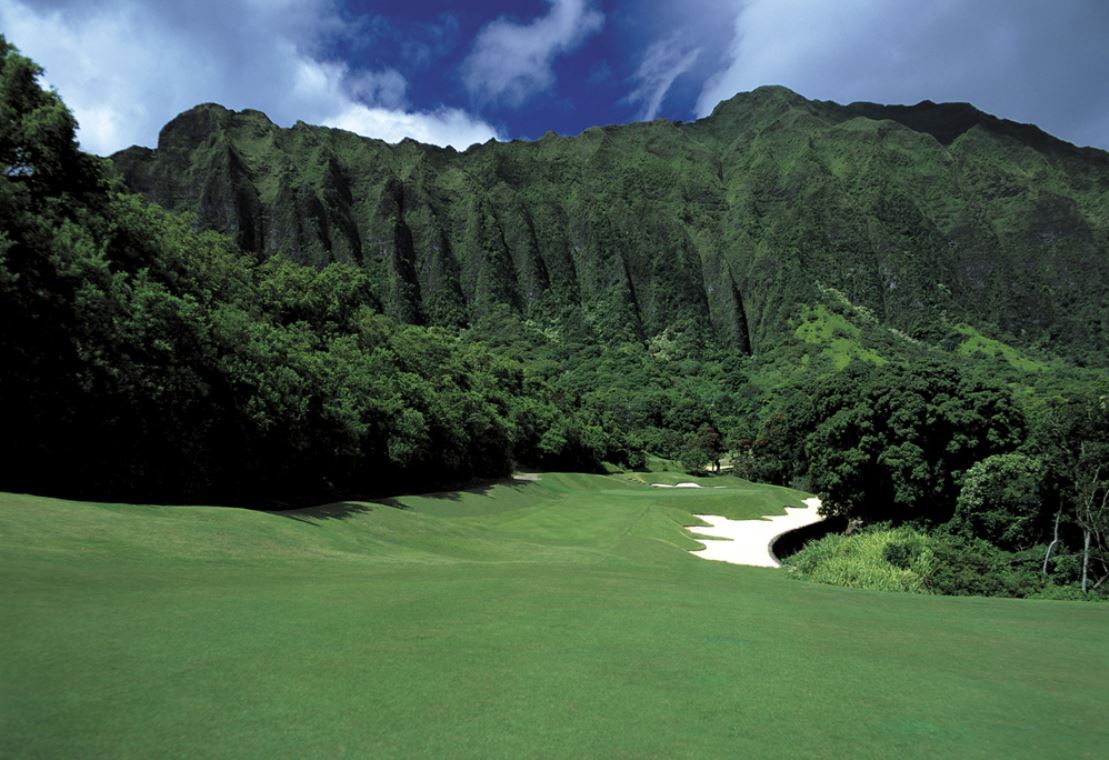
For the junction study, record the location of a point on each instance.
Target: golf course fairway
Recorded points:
(557, 618)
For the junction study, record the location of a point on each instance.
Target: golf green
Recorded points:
(557, 618)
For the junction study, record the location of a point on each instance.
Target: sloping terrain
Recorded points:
(563, 617)
(922, 214)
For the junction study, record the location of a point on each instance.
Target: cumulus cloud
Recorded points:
(126, 67)
(446, 126)
(1021, 59)
(511, 61)
(665, 60)
(387, 87)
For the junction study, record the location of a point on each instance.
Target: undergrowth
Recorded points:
(883, 558)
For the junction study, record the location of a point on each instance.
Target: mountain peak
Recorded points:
(767, 95)
(196, 124)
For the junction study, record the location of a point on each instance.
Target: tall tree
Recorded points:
(1072, 438)
(892, 442)
(1002, 501)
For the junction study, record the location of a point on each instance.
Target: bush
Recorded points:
(903, 554)
(860, 560)
(973, 567)
(905, 559)
(1071, 593)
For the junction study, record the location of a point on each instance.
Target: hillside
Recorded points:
(651, 290)
(557, 618)
(928, 215)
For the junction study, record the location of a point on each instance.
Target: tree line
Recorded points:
(143, 360)
(1016, 498)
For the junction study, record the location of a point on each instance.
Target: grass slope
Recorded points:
(555, 618)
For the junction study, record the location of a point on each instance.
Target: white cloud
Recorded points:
(1021, 59)
(386, 87)
(126, 67)
(447, 126)
(511, 61)
(664, 61)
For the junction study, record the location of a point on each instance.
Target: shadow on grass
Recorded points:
(481, 488)
(341, 510)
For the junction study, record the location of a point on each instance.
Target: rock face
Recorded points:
(721, 226)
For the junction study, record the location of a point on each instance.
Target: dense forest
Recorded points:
(146, 360)
(901, 309)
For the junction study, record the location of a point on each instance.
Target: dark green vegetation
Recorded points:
(143, 360)
(557, 618)
(1013, 501)
(885, 443)
(905, 315)
(902, 309)
(717, 230)
(938, 562)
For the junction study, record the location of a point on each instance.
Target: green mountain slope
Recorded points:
(928, 216)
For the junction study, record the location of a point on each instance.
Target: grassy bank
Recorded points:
(556, 618)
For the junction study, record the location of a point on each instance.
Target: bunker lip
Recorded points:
(749, 542)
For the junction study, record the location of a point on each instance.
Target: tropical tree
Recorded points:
(1002, 501)
(702, 448)
(891, 443)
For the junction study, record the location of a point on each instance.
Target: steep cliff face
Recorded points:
(724, 226)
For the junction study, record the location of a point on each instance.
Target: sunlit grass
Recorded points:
(558, 618)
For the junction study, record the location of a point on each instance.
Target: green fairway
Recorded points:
(558, 618)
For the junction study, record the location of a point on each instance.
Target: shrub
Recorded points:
(905, 559)
(902, 554)
(973, 567)
(1070, 593)
(860, 560)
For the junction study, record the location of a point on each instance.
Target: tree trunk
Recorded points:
(1090, 521)
(1100, 580)
(1054, 541)
(1085, 559)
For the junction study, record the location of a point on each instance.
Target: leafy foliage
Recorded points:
(906, 559)
(864, 560)
(941, 222)
(973, 567)
(886, 443)
(155, 362)
(1002, 500)
(1071, 438)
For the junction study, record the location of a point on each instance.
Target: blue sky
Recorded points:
(458, 73)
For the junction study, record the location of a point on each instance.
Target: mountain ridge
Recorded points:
(652, 225)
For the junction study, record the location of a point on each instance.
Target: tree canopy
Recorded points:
(153, 361)
(886, 443)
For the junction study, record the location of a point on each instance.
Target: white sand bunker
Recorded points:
(679, 485)
(747, 542)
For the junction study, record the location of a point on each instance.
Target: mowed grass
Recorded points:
(560, 618)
